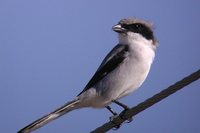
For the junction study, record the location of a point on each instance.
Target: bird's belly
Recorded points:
(117, 84)
(123, 81)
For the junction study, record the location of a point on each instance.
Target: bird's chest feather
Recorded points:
(131, 73)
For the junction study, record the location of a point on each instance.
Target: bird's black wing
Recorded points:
(111, 61)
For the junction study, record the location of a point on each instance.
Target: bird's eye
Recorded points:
(138, 26)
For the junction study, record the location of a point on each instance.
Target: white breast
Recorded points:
(135, 68)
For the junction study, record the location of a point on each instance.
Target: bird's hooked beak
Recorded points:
(118, 28)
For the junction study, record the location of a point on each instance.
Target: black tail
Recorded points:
(50, 117)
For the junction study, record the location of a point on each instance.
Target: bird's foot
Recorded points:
(117, 126)
(129, 120)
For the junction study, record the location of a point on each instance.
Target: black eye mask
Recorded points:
(139, 28)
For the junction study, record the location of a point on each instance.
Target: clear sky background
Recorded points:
(49, 49)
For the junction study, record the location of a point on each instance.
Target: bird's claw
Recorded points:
(129, 120)
(113, 117)
(117, 126)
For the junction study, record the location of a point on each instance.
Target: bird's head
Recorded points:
(130, 29)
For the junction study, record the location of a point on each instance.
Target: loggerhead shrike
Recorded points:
(122, 71)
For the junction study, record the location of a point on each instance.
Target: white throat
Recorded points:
(130, 37)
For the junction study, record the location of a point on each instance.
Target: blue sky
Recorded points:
(49, 49)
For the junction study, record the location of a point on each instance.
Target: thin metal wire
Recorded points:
(127, 114)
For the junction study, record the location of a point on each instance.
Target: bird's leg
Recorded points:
(111, 110)
(125, 109)
(114, 113)
(112, 117)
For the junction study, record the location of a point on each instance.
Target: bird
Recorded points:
(121, 72)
